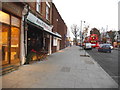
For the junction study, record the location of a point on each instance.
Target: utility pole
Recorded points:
(106, 29)
(81, 32)
(81, 36)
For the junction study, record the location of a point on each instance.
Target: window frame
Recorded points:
(38, 6)
(47, 11)
(10, 25)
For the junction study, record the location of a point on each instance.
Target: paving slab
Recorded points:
(63, 69)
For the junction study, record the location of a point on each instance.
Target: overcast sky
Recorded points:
(96, 13)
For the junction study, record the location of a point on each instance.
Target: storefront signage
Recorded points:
(32, 18)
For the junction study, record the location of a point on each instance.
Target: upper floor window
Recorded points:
(47, 10)
(38, 5)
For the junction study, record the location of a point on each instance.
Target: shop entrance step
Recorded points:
(7, 69)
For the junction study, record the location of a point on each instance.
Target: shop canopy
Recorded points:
(32, 19)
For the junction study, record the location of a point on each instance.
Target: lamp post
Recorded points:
(81, 36)
(81, 33)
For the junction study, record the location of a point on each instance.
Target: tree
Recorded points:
(75, 30)
(104, 39)
(111, 35)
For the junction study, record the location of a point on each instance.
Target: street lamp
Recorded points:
(81, 33)
(81, 36)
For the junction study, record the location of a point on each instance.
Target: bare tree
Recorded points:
(111, 35)
(75, 30)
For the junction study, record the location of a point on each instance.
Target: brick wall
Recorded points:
(59, 25)
(41, 14)
(13, 8)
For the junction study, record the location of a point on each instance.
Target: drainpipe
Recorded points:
(25, 14)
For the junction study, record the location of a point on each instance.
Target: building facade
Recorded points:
(60, 28)
(39, 28)
(11, 16)
(28, 26)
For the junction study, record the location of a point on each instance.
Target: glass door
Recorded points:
(14, 54)
(4, 44)
(9, 38)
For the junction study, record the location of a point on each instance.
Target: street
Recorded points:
(108, 61)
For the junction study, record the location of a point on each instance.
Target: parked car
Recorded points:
(104, 48)
(106, 44)
(87, 46)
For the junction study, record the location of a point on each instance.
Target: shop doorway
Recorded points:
(47, 42)
(9, 39)
(5, 44)
(58, 45)
(34, 38)
(10, 45)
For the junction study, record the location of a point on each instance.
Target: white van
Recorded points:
(88, 46)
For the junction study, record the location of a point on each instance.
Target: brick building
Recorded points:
(39, 33)
(10, 19)
(27, 26)
(59, 27)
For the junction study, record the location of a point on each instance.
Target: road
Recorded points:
(108, 61)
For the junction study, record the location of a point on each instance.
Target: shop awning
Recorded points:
(55, 34)
(39, 23)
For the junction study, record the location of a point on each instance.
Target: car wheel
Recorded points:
(109, 51)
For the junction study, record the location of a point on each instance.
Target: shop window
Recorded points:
(9, 38)
(4, 43)
(55, 41)
(4, 17)
(14, 43)
(38, 6)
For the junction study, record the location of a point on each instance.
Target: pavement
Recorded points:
(63, 69)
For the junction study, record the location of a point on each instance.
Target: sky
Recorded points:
(95, 13)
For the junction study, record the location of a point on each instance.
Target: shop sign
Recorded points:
(32, 18)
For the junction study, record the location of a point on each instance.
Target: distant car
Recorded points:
(87, 46)
(104, 48)
(107, 44)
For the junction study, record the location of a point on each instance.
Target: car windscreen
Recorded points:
(105, 46)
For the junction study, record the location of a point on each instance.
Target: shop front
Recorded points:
(39, 36)
(10, 38)
(56, 42)
(34, 38)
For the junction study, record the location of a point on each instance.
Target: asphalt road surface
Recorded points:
(108, 61)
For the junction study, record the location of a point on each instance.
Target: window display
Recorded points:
(10, 40)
